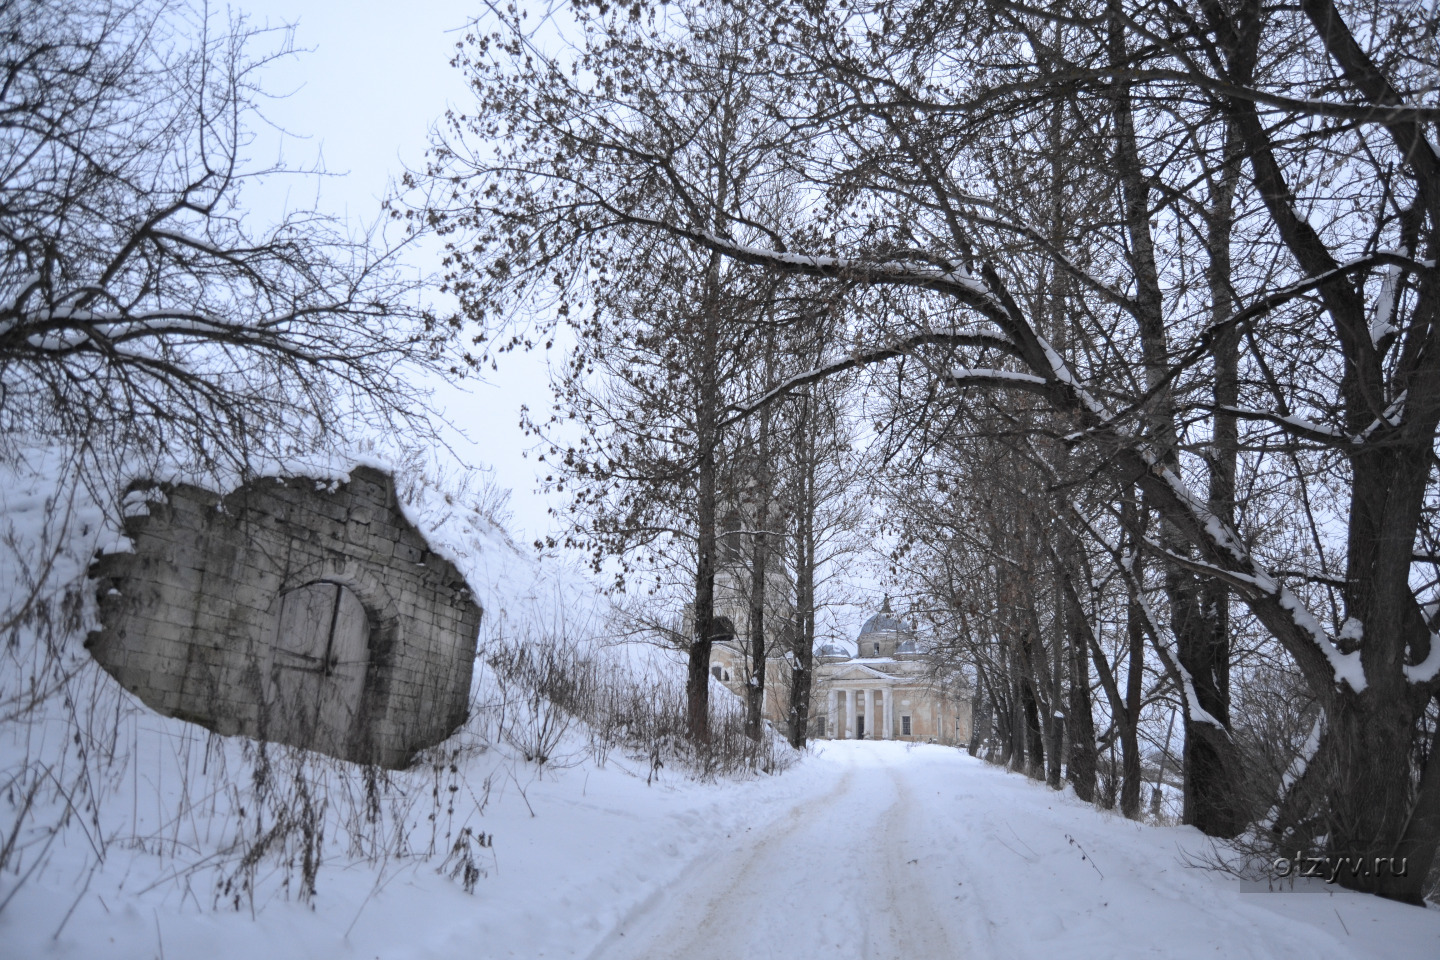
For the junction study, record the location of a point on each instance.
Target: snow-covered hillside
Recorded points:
(112, 809)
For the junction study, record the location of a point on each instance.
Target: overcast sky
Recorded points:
(362, 98)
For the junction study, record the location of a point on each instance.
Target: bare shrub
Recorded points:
(462, 863)
(547, 681)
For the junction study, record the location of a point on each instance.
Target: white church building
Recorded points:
(888, 690)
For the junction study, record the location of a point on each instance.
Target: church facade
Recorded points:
(885, 691)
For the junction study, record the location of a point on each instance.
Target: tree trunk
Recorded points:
(1014, 753)
(1417, 846)
(697, 686)
(759, 560)
(1130, 777)
(1054, 737)
(980, 725)
(1080, 768)
(803, 650)
(1211, 763)
(1110, 780)
(1052, 727)
(1034, 734)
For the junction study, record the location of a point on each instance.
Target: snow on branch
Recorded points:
(1428, 669)
(1389, 418)
(1299, 426)
(1382, 326)
(851, 361)
(1193, 710)
(1003, 378)
(1297, 769)
(1346, 666)
(953, 278)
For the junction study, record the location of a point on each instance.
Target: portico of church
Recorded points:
(867, 712)
(885, 690)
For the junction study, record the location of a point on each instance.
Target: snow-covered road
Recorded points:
(921, 852)
(850, 872)
(866, 850)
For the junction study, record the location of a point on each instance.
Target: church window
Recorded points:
(819, 726)
(719, 674)
(904, 726)
(877, 649)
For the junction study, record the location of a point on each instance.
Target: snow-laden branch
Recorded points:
(1259, 584)
(1390, 417)
(1428, 669)
(1297, 769)
(1299, 426)
(1390, 288)
(952, 279)
(1193, 710)
(861, 358)
(1001, 378)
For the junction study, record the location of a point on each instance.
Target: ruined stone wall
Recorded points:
(221, 616)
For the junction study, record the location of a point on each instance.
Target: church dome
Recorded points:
(885, 622)
(833, 650)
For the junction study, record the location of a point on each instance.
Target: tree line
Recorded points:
(1148, 291)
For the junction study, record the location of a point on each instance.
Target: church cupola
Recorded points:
(883, 633)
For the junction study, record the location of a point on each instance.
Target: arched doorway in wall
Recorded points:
(320, 651)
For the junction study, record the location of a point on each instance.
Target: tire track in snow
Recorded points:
(851, 875)
(665, 923)
(915, 911)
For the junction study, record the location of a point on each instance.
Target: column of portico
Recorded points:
(832, 715)
(889, 715)
(849, 714)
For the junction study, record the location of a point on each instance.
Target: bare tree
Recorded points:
(697, 112)
(907, 120)
(141, 308)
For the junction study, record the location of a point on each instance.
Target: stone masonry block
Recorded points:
(209, 621)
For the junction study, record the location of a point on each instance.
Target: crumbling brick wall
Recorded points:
(219, 616)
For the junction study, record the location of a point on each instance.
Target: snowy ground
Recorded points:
(925, 853)
(874, 850)
(859, 850)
